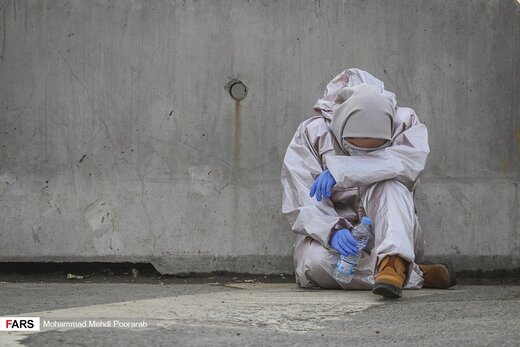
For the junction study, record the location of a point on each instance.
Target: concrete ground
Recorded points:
(237, 311)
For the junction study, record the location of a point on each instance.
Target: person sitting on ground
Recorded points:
(360, 154)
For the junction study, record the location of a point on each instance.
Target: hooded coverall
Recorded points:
(382, 181)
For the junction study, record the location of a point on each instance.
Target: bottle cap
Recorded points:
(366, 220)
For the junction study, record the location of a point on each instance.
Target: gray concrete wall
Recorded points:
(120, 142)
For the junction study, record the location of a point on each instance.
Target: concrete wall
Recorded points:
(120, 142)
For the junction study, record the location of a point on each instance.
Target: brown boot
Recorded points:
(390, 278)
(441, 276)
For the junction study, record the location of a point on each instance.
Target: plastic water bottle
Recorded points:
(344, 270)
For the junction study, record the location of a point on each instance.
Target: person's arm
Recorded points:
(403, 161)
(301, 166)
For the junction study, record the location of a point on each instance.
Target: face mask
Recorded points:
(357, 151)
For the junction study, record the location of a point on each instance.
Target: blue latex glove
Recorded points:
(322, 186)
(343, 242)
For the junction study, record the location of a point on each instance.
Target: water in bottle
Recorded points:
(346, 265)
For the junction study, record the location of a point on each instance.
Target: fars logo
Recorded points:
(19, 323)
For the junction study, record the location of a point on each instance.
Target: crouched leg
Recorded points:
(396, 229)
(314, 267)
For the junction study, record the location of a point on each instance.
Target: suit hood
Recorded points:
(348, 78)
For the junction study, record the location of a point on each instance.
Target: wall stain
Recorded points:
(236, 136)
(35, 236)
(517, 135)
(4, 28)
(236, 177)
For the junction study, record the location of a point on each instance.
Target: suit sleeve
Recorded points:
(403, 161)
(301, 166)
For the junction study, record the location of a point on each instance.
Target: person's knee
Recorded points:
(390, 185)
(315, 262)
(385, 189)
(313, 267)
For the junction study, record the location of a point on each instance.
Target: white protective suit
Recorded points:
(382, 181)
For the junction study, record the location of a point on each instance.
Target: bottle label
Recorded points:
(346, 267)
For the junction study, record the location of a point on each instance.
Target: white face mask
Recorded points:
(357, 151)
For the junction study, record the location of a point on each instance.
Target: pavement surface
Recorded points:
(256, 311)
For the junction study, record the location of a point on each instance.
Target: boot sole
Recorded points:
(387, 290)
(451, 271)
